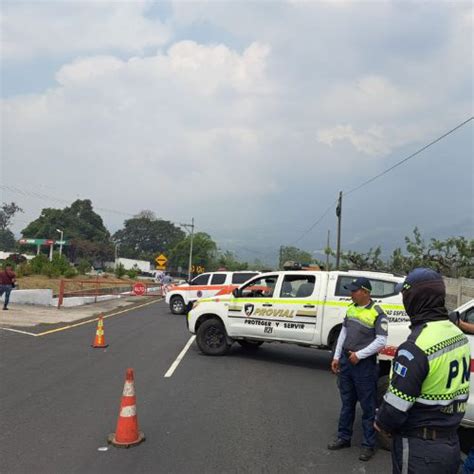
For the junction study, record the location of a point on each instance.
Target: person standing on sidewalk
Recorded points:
(364, 334)
(7, 283)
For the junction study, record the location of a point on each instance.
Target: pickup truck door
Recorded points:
(247, 313)
(296, 307)
(197, 287)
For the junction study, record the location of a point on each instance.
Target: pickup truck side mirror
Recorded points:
(237, 293)
(454, 317)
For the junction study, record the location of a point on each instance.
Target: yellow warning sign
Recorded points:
(161, 261)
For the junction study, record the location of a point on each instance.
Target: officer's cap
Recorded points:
(417, 275)
(359, 283)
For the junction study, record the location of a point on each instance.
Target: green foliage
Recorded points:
(120, 271)
(228, 261)
(51, 271)
(288, 253)
(38, 263)
(144, 236)
(60, 263)
(7, 240)
(7, 212)
(204, 252)
(84, 266)
(452, 257)
(71, 272)
(81, 225)
(23, 269)
(370, 261)
(132, 274)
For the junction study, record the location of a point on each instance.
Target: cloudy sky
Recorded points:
(248, 116)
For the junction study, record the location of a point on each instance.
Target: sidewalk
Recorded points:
(22, 315)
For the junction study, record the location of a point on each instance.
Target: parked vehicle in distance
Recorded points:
(181, 297)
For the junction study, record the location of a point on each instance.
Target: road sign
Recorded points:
(161, 261)
(139, 289)
(42, 242)
(160, 267)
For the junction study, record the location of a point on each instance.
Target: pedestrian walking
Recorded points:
(363, 335)
(7, 283)
(429, 387)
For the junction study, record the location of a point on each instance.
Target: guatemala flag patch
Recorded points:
(400, 369)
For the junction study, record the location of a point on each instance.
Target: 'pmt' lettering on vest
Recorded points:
(454, 371)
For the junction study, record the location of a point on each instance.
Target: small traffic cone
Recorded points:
(127, 434)
(99, 341)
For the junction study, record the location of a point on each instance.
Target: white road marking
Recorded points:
(175, 364)
(21, 332)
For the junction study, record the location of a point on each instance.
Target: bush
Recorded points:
(70, 272)
(119, 271)
(51, 271)
(84, 266)
(132, 274)
(23, 269)
(38, 263)
(60, 263)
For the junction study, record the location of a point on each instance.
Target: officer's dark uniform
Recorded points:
(359, 382)
(429, 387)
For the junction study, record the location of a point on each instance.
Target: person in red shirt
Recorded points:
(7, 283)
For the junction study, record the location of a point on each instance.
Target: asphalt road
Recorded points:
(270, 411)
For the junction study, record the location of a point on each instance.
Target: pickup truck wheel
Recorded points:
(382, 385)
(211, 338)
(177, 305)
(250, 345)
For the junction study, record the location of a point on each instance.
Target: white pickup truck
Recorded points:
(300, 307)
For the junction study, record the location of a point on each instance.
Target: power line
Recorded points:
(404, 160)
(408, 157)
(323, 215)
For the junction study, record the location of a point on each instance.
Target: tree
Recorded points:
(144, 236)
(7, 212)
(370, 261)
(294, 254)
(228, 261)
(84, 229)
(204, 252)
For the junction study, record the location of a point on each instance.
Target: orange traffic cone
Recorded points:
(99, 341)
(127, 434)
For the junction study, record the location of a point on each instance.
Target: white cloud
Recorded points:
(33, 29)
(371, 141)
(255, 115)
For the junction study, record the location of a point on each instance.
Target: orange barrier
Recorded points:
(99, 340)
(127, 434)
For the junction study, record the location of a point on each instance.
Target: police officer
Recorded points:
(429, 387)
(363, 335)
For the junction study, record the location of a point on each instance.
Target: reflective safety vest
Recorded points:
(362, 324)
(448, 354)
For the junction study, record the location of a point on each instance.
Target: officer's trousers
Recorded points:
(358, 383)
(419, 456)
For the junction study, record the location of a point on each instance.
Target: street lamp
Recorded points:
(116, 253)
(61, 242)
(187, 227)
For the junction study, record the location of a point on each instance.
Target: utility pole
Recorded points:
(280, 263)
(61, 244)
(327, 252)
(338, 214)
(187, 227)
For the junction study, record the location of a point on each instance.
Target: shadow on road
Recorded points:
(285, 354)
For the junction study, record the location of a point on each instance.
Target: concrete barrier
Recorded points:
(71, 301)
(38, 297)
